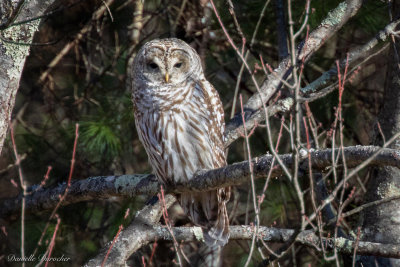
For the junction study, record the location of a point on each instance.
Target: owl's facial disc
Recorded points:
(166, 67)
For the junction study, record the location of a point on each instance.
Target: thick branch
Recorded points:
(139, 233)
(103, 187)
(268, 234)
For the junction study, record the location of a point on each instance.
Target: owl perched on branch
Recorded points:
(180, 121)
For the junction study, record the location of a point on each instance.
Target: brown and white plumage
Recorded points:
(180, 121)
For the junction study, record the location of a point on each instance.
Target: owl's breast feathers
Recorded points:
(184, 135)
(151, 98)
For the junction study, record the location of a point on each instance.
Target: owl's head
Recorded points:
(167, 62)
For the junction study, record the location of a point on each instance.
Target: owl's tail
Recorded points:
(218, 233)
(208, 210)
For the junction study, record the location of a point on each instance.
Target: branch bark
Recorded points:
(139, 233)
(129, 241)
(104, 187)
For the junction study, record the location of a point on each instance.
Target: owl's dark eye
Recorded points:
(153, 65)
(178, 65)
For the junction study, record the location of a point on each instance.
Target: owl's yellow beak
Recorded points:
(166, 77)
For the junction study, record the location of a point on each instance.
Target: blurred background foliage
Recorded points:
(88, 87)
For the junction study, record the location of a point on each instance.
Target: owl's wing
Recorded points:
(216, 120)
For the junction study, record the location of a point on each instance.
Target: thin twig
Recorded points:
(24, 192)
(253, 189)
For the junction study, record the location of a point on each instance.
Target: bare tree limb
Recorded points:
(354, 54)
(139, 233)
(235, 126)
(244, 232)
(328, 27)
(104, 187)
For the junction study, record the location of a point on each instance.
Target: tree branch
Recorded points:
(235, 126)
(328, 27)
(129, 241)
(104, 187)
(354, 54)
(139, 233)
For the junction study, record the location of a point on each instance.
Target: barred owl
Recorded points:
(180, 122)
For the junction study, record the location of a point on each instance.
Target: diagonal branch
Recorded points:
(328, 27)
(139, 233)
(354, 54)
(235, 126)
